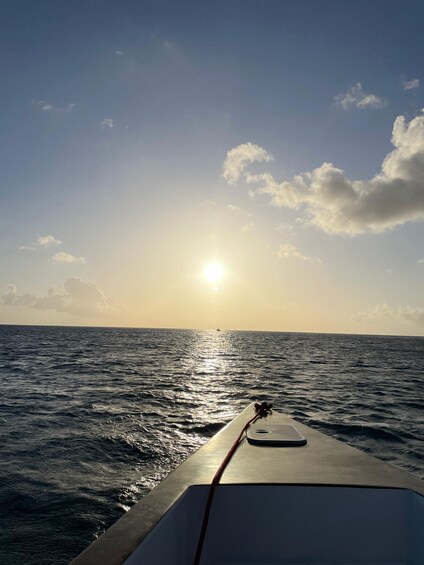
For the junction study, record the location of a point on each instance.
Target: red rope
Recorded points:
(260, 411)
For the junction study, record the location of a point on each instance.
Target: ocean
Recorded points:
(91, 419)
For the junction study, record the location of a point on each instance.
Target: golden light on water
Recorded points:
(213, 272)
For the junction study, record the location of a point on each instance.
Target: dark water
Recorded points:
(91, 419)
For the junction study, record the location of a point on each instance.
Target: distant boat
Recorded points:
(324, 502)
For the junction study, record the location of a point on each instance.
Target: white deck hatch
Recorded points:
(296, 525)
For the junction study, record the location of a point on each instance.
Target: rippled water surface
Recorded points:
(91, 419)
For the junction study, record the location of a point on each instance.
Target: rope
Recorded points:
(261, 410)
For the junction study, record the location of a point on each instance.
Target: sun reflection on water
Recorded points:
(209, 362)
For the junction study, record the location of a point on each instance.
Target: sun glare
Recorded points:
(213, 272)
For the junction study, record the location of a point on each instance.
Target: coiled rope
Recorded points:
(261, 410)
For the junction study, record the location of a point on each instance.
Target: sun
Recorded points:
(213, 272)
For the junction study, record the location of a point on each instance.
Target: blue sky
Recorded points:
(117, 118)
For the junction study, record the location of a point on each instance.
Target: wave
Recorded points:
(354, 430)
(207, 430)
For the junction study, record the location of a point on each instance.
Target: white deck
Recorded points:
(270, 524)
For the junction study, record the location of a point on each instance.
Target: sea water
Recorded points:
(92, 418)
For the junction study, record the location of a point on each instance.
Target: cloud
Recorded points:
(48, 241)
(67, 109)
(48, 107)
(337, 205)
(239, 157)
(411, 84)
(107, 123)
(42, 241)
(119, 53)
(420, 261)
(237, 210)
(12, 298)
(53, 301)
(45, 106)
(76, 297)
(289, 250)
(173, 51)
(414, 314)
(62, 257)
(11, 288)
(243, 214)
(356, 97)
(375, 313)
(207, 204)
(284, 227)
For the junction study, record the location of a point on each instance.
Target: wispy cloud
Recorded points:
(119, 53)
(239, 157)
(248, 227)
(107, 123)
(335, 204)
(49, 107)
(284, 228)
(174, 52)
(42, 241)
(76, 297)
(414, 314)
(377, 312)
(411, 84)
(288, 250)
(62, 257)
(356, 97)
(237, 210)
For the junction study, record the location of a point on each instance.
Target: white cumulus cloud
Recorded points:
(76, 297)
(411, 84)
(12, 298)
(62, 257)
(356, 97)
(239, 157)
(48, 241)
(336, 204)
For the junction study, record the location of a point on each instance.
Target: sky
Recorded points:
(281, 140)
